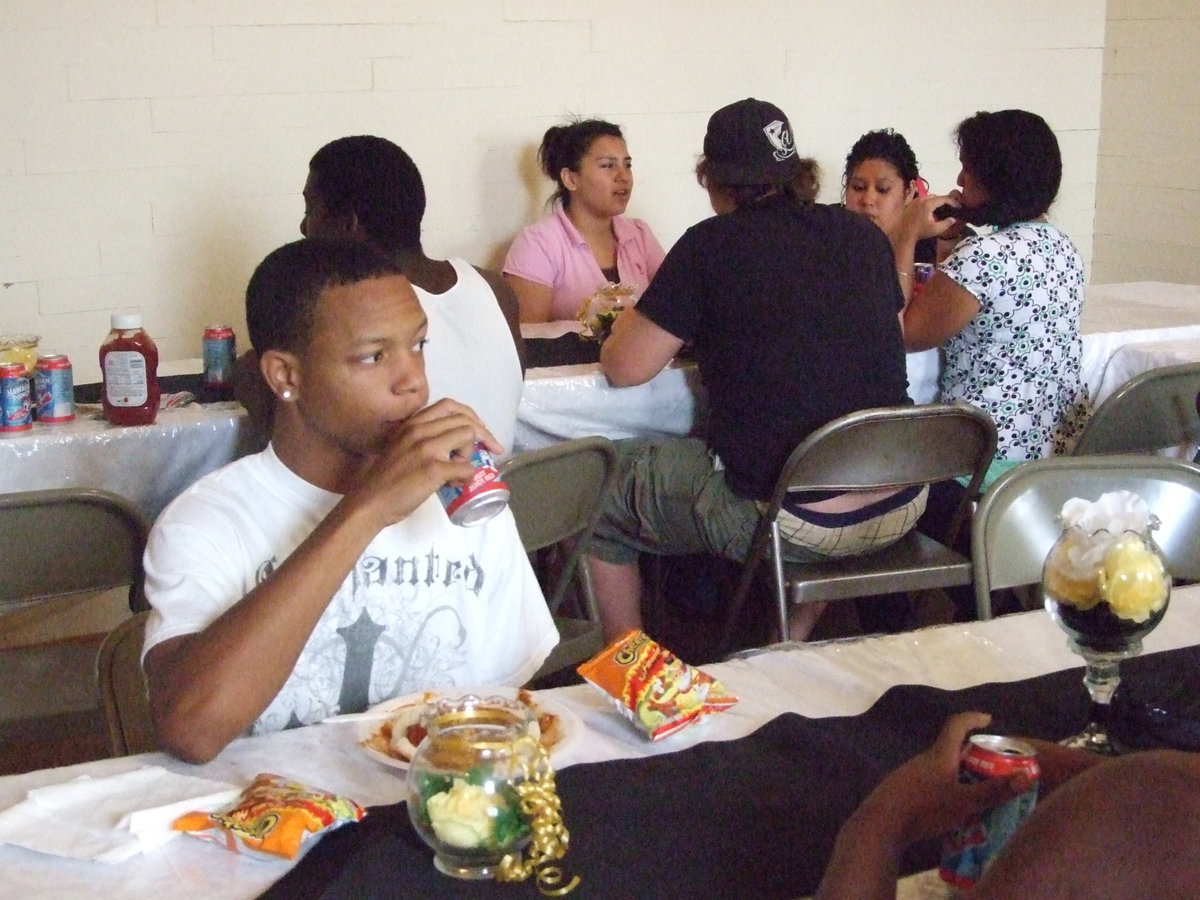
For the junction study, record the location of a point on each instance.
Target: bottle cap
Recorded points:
(126, 323)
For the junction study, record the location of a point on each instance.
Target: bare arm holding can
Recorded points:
(921, 799)
(1111, 828)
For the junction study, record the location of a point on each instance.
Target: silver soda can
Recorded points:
(970, 848)
(481, 498)
(53, 388)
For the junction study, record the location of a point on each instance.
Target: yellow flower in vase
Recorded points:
(465, 815)
(1133, 580)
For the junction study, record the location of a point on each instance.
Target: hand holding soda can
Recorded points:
(970, 848)
(481, 498)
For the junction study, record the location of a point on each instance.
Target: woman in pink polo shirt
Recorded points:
(586, 242)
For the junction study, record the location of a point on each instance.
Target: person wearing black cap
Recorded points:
(792, 309)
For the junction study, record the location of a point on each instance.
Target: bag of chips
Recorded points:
(274, 817)
(652, 687)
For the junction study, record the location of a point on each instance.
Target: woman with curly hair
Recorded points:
(880, 180)
(555, 265)
(1004, 307)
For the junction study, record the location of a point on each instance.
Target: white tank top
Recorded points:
(470, 356)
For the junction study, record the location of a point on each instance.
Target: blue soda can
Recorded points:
(16, 412)
(970, 848)
(220, 353)
(481, 498)
(54, 388)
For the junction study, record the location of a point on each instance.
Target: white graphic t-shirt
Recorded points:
(428, 604)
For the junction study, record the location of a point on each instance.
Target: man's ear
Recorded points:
(281, 371)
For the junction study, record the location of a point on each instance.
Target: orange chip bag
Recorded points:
(274, 817)
(652, 687)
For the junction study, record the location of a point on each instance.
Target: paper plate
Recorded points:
(567, 728)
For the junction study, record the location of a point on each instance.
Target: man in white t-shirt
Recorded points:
(322, 575)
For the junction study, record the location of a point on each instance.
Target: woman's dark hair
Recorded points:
(283, 291)
(565, 146)
(887, 145)
(377, 181)
(1014, 155)
(804, 187)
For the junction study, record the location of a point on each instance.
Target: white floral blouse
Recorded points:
(1019, 358)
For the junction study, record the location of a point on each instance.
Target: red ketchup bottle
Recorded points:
(129, 367)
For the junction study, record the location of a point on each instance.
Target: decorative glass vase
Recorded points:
(481, 790)
(1106, 591)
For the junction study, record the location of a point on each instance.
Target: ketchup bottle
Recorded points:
(129, 366)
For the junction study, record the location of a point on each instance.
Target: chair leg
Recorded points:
(583, 572)
(780, 586)
(745, 582)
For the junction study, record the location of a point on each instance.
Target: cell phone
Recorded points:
(947, 211)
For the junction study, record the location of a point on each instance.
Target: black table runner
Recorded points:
(755, 817)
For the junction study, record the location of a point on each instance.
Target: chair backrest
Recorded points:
(892, 447)
(1149, 412)
(1016, 522)
(556, 493)
(122, 688)
(68, 541)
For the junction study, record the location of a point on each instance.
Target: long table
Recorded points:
(572, 401)
(152, 464)
(839, 678)
(1135, 312)
(147, 464)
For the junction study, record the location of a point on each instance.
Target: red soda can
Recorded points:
(970, 848)
(54, 388)
(220, 353)
(16, 412)
(481, 498)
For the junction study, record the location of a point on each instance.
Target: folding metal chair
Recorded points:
(69, 541)
(556, 496)
(122, 688)
(1149, 412)
(890, 447)
(1016, 522)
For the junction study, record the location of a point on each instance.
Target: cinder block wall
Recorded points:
(152, 151)
(1148, 199)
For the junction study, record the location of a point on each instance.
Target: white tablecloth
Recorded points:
(574, 401)
(561, 403)
(564, 402)
(835, 678)
(1136, 312)
(1134, 359)
(147, 464)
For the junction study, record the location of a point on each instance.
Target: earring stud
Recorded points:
(286, 395)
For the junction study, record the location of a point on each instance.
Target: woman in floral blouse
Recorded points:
(1005, 305)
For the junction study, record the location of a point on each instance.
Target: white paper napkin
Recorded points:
(111, 818)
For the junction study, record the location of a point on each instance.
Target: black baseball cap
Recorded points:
(750, 142)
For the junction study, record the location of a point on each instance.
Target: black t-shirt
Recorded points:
(792, 310)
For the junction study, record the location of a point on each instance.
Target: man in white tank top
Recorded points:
(367, 188)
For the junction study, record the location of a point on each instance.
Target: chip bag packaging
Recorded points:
(651, 687)
(273, 818)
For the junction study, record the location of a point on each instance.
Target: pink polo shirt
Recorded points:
(553, 253)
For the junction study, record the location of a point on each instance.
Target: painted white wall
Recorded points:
(1148, 202)
(153, 151)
